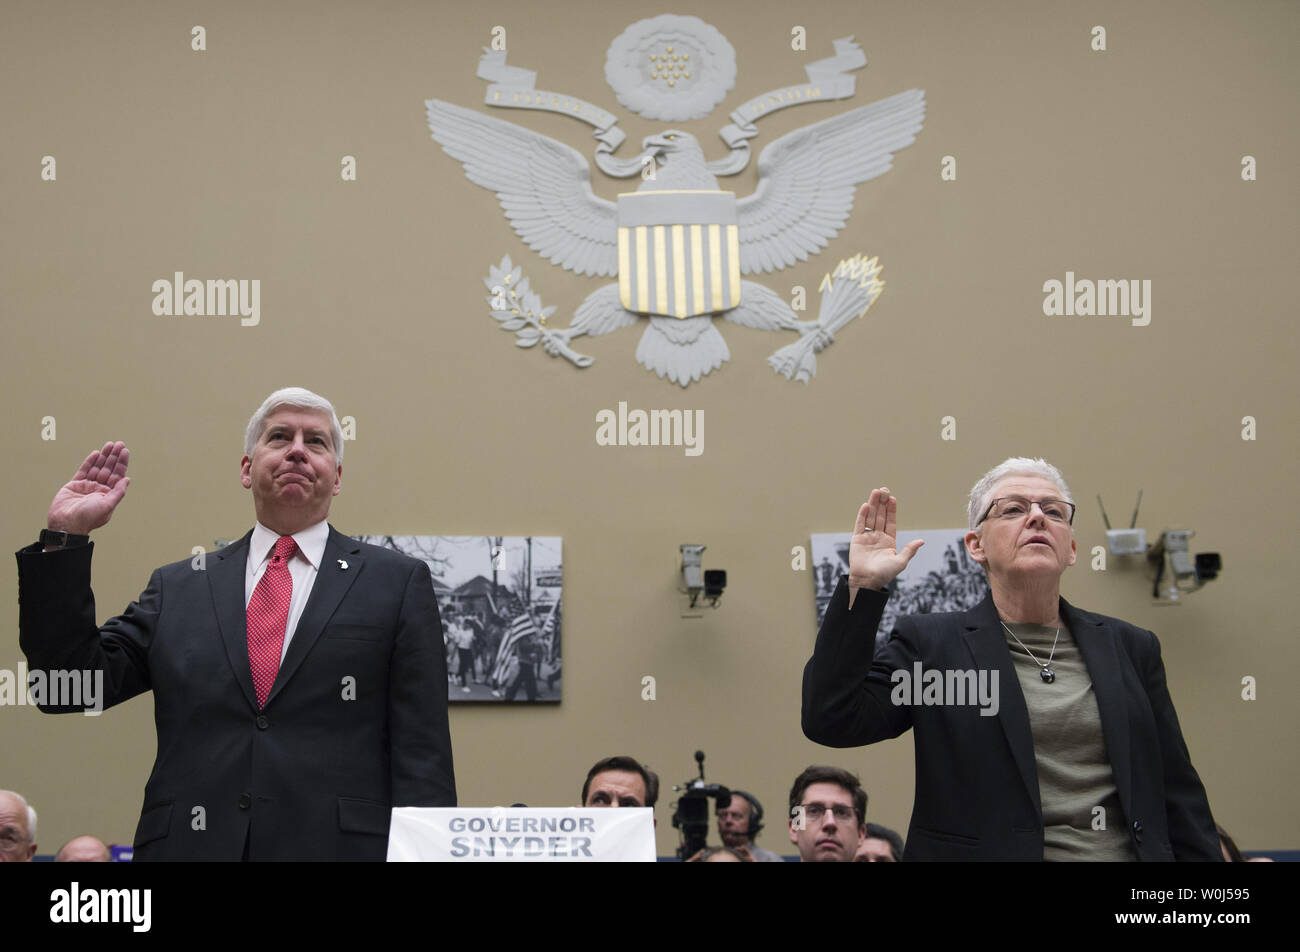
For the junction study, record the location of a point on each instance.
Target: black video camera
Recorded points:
(691, 815)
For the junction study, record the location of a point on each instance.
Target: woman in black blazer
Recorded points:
(1042, 731)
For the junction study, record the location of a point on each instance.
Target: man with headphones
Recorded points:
(738, 824)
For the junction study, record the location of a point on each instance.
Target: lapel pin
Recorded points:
(343, 565)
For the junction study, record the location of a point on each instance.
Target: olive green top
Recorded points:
(1074, 775)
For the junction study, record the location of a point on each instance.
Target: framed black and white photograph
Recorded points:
(499, 598)
(940, 578)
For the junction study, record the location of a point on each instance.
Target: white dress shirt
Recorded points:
(302, 568)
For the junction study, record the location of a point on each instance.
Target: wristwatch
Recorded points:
(58, 539)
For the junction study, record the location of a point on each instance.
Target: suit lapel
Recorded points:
(1098, 647)
(226, 577)
(332, 583)
(987, 644)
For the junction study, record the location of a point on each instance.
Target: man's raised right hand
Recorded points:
(88, 501)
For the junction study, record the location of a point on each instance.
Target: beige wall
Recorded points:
(1122, 164)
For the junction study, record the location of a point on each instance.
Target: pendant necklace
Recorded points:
(1045, 672)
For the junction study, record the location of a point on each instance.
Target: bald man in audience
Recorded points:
(17, 829)
(83, 849)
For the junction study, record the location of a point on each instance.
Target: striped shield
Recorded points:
(678, 252)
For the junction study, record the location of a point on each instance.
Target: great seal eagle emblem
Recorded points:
(680, 245)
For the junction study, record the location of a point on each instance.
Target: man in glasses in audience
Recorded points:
(828, 810)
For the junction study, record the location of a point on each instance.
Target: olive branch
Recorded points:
(518, 308)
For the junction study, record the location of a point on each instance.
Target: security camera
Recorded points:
(698, 580)
(715, 580)
(1187, 572)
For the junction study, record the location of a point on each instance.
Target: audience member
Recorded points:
(17, 829)
(620, 782)
(880, 845)
(739, 823)
(828, 809)
(83, 849)
(1233, 855)
(720, 854)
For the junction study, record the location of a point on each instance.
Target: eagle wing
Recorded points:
(544, 187)
(807, 177)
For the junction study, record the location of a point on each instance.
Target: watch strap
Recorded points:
(58, 539)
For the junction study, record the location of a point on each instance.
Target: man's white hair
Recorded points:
(293, 397)
(981, 494)
(31, 814)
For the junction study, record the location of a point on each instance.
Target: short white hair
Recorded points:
(293, 397)
(31, 814)
(981, 494)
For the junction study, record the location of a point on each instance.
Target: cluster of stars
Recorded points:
(670, 66)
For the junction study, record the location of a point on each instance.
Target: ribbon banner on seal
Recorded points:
(512, 87)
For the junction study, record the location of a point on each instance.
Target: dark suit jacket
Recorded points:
(976, 779)
(355, 724)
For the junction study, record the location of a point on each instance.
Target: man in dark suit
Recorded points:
(300, 686)
(1041, 731)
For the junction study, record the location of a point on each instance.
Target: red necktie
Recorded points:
(268, 617)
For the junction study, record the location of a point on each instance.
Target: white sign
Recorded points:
(521, 835)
